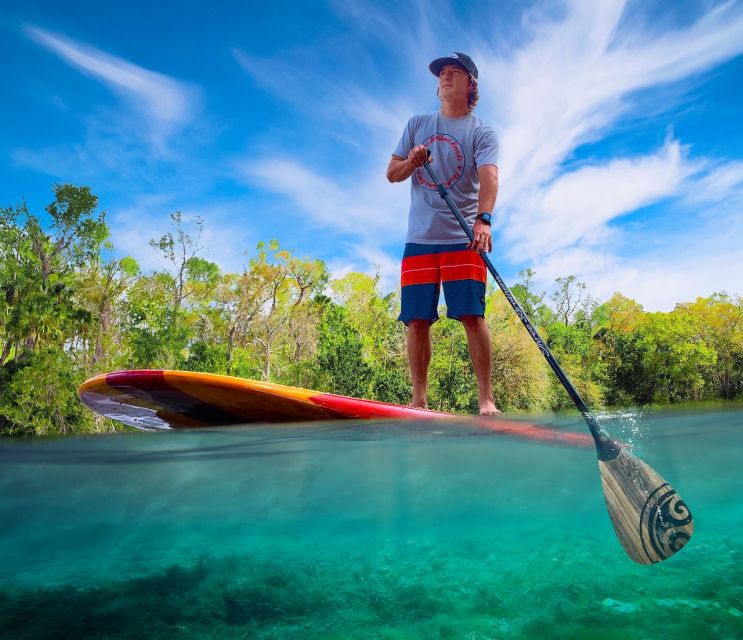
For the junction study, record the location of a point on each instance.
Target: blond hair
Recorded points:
(473, 94)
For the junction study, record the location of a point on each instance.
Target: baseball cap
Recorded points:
(458, 58)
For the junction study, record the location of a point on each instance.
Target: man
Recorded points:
(464, 151)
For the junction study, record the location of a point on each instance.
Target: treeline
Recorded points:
(68, 312)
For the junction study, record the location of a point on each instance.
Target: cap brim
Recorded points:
(437, 65)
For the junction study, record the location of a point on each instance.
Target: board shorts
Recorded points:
(428, 267)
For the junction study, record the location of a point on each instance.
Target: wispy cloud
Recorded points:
(723, 181)
(166, 103)
(599, 177)
(371, 212)
(577, 206)
(575, 74)
(578, 76)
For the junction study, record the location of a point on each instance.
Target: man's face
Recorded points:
(453, 81)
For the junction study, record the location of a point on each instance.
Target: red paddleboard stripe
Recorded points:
(354, 408)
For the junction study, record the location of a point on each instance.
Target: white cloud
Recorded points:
(167, 104)
(577, 206)
(721, 182)
(571, 77)
(577, 77)
(372, 208)
(370, 261)
(660, 284)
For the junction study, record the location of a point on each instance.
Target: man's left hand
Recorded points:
(483, 242)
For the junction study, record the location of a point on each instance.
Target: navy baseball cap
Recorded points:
(457, 58)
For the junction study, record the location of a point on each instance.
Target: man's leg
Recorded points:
(419, 358)
(478, 342)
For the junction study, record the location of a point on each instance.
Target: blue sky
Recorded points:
(620, 125)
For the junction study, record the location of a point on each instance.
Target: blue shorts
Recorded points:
(426, 267)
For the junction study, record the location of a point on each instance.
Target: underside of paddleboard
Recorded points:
(162, 399)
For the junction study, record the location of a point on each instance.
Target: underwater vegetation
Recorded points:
(426, 592)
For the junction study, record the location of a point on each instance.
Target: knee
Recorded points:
(472, 322)
(419, 327)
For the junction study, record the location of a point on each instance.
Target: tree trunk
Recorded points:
(6, 351)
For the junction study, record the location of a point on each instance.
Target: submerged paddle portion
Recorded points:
(650, 520)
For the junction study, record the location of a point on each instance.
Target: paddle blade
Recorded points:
(650, 519)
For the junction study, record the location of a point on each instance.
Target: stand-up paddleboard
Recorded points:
(156, 399)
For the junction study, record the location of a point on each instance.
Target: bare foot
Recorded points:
(418, 405)
(488, 408)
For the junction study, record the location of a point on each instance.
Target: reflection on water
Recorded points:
(370, 530)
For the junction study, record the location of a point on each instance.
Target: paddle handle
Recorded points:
(606, 448)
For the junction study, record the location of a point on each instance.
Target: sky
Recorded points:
(620, 127)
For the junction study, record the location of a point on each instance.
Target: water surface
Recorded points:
(362, 530)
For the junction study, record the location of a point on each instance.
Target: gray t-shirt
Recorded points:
(458, 147)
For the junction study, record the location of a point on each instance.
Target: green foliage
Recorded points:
(150, 329)
(373, 315)
(663, 360)
(719, 319)
(38, 269)
(521, 376)
(67, 313)
(452, 382)
(38, 395)
(340, 354)
(532, 304)
(206, 357)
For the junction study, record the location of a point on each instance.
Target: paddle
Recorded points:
(649, 518)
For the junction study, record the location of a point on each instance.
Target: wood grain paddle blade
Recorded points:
(650, 519)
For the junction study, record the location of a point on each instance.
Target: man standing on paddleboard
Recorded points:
(464, 151)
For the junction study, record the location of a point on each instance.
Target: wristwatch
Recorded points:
(485, 217)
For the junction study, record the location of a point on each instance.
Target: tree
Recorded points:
(532, 304)
(102, 290)
(187, 279)
(373, 315)
(340, 354)
(38, 395)
(720, 321)
(286, 283)
(663, 360)
(567, 297)
(38, 268)
(520, 374)
(452, 382)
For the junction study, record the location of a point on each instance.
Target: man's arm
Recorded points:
(488, 174)
(401, 169)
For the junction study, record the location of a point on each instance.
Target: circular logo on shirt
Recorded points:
(446, 152)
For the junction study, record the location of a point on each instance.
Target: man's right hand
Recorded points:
(401, 169)
(417, 156)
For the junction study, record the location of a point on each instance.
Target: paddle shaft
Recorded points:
(605, 447)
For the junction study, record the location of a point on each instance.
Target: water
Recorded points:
(362, 531)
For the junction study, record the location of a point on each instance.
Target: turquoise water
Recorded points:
(371, 530)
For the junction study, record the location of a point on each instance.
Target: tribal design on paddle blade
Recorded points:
(663, 523)
(650, 520)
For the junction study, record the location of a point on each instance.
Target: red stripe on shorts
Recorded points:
(420, 270)
(462, 265)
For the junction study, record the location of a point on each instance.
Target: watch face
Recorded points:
(485, 217)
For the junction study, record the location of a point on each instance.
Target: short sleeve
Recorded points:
(486, 147)
(406, 141)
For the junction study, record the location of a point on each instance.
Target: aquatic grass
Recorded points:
(382, 594)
